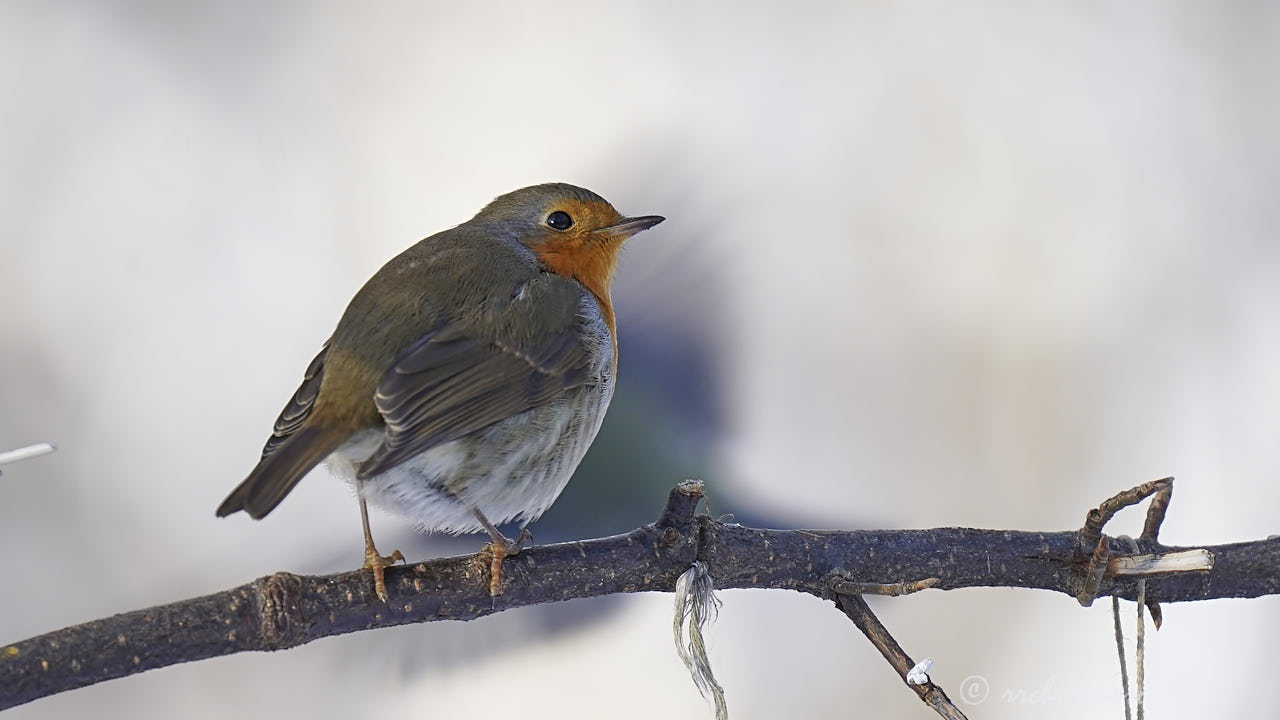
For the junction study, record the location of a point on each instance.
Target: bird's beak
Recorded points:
(630, 226)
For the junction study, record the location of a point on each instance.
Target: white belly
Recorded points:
(512, 470)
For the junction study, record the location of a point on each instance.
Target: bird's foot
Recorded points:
(378, 564)
(500, 548)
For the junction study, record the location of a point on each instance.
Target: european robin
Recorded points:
(467, 377)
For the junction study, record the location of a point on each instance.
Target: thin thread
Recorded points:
(1142, 604)
(1124, 672)
(1140, 653)
(696, 606)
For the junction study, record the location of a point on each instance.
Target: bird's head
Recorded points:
(572, 231)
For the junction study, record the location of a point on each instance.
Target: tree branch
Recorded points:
(285, 610)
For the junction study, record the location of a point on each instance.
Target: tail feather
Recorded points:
(277, 473)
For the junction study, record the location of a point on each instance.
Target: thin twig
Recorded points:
(1094, 571)
(1151, 533)
(1098, 517)
(1092, 540)
(1156, 511)
(860, 613)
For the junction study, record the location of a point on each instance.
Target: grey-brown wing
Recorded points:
(299, 407)
(450, 384)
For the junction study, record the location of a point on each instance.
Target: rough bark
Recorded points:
(285, 610)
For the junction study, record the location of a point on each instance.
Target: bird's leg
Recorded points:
(500, 548)
(372, 560)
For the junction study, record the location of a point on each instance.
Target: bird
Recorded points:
(467, 378)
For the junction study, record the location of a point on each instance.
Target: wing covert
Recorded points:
(449, 384)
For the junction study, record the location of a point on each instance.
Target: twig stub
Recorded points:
(682, 501)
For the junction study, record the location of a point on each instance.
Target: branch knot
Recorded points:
(281, 621)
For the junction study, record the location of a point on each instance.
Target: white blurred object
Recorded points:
(26, 453)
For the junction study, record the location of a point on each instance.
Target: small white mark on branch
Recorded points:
(919, 675)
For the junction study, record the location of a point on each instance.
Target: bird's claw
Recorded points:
(378, 564)
(500, 548)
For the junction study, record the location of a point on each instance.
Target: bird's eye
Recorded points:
(559, 220)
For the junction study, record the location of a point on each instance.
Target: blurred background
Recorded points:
(925, 264)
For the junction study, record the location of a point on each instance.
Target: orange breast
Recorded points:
(592, 265)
